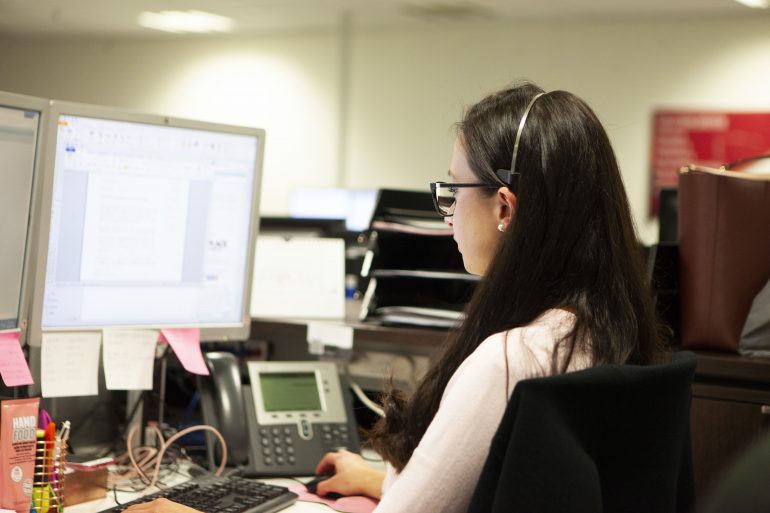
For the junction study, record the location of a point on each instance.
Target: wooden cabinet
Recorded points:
(730, 410)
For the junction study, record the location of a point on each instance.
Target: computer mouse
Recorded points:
(312, 486)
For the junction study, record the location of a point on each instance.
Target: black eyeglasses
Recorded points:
(444, 195)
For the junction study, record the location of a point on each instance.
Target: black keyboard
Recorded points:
(230, 494)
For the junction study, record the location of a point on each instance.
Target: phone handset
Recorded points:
(222, 406)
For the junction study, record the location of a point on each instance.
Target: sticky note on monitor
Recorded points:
(13, 365)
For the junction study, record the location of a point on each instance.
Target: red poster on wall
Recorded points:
(708, 138)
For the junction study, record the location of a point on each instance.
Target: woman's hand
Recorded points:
(161, 506)
(351, 475)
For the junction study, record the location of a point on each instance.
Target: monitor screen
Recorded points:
(151, 221)
(290, 391)
(355, 206)
(20, 118)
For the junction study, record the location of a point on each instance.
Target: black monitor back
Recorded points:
(395, 205)
(299, 226)
(668, 215)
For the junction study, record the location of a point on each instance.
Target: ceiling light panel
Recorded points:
(756, 4)
(179, 22)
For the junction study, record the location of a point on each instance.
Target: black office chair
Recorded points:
(614, 438)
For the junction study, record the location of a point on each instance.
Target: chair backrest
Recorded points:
(613, 438)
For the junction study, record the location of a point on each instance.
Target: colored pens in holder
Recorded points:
(48, 482)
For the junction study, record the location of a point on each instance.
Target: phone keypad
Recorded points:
(277, 444)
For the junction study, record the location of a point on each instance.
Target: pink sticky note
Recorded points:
(186, 343)
(13, 366)
(352, 504)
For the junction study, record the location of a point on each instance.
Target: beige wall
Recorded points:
(407, 86)
(287, 85)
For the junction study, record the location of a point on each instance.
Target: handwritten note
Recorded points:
(70, 364)
(186, 343)
(128, 357)
(13, 366)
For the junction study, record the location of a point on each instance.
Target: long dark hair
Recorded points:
(571, 245)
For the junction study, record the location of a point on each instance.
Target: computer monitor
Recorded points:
(21, 119)
(355, 206)
(148, 221)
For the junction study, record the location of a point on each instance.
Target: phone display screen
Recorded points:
(290, 391)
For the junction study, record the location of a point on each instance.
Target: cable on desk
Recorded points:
(165, 446)
(361, 395)
(150, 452)
(143, 460)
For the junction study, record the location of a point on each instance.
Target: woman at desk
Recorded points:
(538, 208)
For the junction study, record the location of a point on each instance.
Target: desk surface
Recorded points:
(363, 333)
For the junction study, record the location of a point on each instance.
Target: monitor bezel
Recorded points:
(209, 332)
(40, 105)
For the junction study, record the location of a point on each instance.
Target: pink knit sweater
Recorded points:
(444, 468)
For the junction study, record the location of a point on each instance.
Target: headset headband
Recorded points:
(506, 175)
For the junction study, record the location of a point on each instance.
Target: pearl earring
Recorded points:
(501, 227)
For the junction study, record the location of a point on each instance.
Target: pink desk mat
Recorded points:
(353, 504)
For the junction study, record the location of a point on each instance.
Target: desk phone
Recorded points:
(282, 419)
